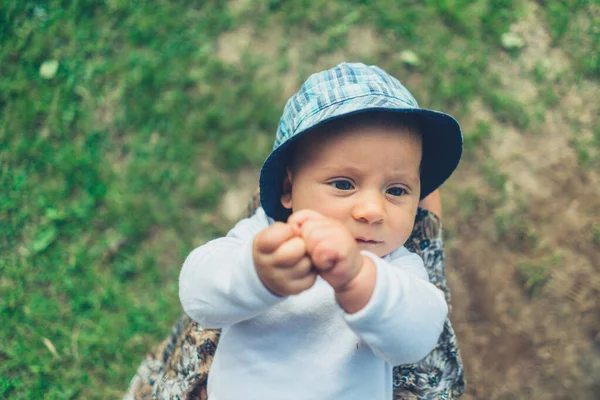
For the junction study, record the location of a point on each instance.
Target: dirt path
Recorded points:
(525, 302)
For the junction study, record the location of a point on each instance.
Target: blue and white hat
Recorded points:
(351, 88)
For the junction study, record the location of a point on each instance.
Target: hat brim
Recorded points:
(441, 137)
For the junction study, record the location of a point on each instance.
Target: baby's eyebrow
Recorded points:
(401, 174)
(337, 168)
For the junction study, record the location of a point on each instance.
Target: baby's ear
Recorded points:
(286, 194)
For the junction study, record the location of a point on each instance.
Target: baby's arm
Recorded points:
(221, 284)
(406, 313)
(392, 306)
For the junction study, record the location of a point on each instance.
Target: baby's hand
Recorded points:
(332, 249)
(281, 261)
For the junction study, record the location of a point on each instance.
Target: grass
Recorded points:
(596, 234)
(513, 230)
(577, 21)
(535, 274)
(120, 129)
(588, 148)
(476, 139)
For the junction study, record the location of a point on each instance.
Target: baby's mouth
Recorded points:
(361, 240)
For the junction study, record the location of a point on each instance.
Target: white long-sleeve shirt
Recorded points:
(305, 346)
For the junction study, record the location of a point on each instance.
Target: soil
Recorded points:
(517, 343)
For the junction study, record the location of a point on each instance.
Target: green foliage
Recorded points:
(514, 230)
(559, 13)
(469, 201)
(576, 23)
(507, 109)
(596, 234)
(494, 176)
(475, 139)
(106, 125)
(536, 274)
(588, 149)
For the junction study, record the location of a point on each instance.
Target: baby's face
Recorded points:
(367, 178)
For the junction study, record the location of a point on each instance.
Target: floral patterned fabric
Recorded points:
(178, 368)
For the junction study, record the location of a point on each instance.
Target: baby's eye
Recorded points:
(395, 191)
(342, 185)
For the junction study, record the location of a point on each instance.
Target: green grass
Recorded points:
(536, 274)
(575, 25)
(596, 234)
(99, 162)
(112, 166)
(515, 231)
(476, 139)
(588, 149)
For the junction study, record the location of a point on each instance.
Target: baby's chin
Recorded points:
(380, 249)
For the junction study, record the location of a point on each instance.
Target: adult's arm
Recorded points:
(433, 203)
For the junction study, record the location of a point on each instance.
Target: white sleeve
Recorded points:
(405, 316)
(218, 284)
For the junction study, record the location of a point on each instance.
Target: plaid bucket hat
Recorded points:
(351, 88)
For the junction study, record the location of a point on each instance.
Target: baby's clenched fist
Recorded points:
(281, 260)
(330, 246)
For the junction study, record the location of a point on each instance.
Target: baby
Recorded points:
(316, 296)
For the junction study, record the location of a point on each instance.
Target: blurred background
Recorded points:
(133, 131)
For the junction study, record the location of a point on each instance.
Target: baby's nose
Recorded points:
(369, 208)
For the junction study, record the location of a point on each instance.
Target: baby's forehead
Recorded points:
(342, 132)
(332, 136)
(368, 146)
